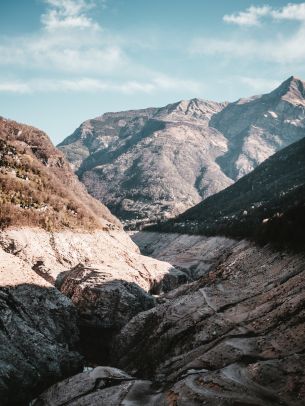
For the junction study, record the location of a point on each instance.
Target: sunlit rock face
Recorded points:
(158, 162)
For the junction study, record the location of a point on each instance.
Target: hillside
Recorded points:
(156, 163)
(38, 187)
(268, 204)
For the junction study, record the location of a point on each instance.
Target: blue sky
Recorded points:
(64, 61)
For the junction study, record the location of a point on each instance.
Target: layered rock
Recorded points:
(236, 336)
(155, 163)
(38, 335)
(102, 386)
(195, 255)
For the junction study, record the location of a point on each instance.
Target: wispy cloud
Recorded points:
(249, 17)
(253, 15)
(97, 85)
(71, 44)
(67, 14)
(276, 48)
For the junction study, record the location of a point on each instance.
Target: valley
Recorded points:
(202, 302)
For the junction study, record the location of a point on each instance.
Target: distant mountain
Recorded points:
(156, 163)
(266, 205)
(38, 187)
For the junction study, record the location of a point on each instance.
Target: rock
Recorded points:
(155, 163)
(101, 386)
(102, 272)
(235, 336)
(38, 334)
(194, 255)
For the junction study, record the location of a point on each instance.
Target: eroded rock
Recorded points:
(236, 336)
(38, 334)
(101, 386)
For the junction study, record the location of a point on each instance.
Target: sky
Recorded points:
(65, 61)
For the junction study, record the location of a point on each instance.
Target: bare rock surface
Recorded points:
(195, 255)
(155, 163)
(102, 272)
(236, 336)
(38, 333)
(101, 386)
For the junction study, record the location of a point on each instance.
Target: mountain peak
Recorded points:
(291, 90)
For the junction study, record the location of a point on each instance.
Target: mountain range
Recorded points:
(155, 163)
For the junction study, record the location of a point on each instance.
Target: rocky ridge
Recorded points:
(155, 163)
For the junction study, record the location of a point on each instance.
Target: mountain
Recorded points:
(70, 277)
(148, 163)
(156, 163)
(268, 204)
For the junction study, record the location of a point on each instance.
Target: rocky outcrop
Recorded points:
(103, 273)
(156, 163)
(38, 334)
(101, 386)
(236, 336)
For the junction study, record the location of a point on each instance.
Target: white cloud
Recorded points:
(249, 17)
(253, 15)
(69, 42)
(67, 14)
(280, 47)
(291, 11)
(14, 87)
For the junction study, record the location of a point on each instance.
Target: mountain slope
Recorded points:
(38, 187)
(150, 162)
(268, 204)
(156, 163)
(258, 127)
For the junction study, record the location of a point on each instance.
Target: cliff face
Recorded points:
(156, 163)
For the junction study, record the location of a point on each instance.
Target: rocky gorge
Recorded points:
(91, 315)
